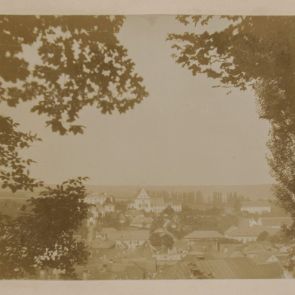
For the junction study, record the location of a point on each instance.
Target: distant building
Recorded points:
(141, 221)
(100, 205)
(210, 238)
(168, 258)
(246, 234)
(108, 206)
(145, 202)
(97, 199)
(203, 235)
(256, 207)
(271, 222)
(128, 239)
(275, 222)
(142, 201)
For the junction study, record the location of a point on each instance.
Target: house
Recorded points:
(272, 222)
(256, 207)
(96, 199)
(168, 258)
(275, 222)
(145, 202)
(108, 206)
(246, 234)
(128, 239)
(258, 247)
(208, 238)
(142, 201)
(203, 235)
(231, 250)
(100, 205)
(141, 221)
(131, 239)
(196, 251)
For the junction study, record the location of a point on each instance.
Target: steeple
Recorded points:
(143, 194)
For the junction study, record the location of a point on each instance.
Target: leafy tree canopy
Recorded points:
(14, 173)
(76, 61)
(42, 237)
(250, 52)
(62, 64)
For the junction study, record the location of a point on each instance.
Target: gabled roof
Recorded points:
(143, 194)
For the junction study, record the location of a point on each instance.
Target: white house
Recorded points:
(100, 204)
(144, 202)
(126, 239)
(97, 199)
(271, 222)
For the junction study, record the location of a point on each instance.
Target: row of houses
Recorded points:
(205, 253)
(256, 207)
(198, 243)
(143, 201)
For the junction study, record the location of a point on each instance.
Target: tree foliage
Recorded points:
(14, 172)
(161, 240)
(78, 62)
(61, 64)
(250, 52)
(43, 236)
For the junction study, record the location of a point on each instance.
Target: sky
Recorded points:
(184, 133)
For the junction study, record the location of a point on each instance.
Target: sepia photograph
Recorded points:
(147, 147)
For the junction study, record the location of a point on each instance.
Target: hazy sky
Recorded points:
(184, 133)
